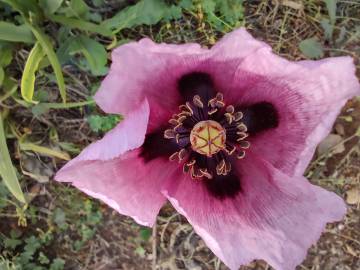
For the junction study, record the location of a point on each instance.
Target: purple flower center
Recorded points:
(220, 131)
(211, 129)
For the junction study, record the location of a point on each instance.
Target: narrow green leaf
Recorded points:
(311, 48)
(28, 77)
(50, 6)
(54, 61)
(82, 25)
(24, 7)
(2, 75)
(331, 7)
(7, 170)
(14, 33)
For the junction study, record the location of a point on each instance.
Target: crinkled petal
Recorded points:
(307, 94)
(146, 69)
(127, 184)
(110, 171)
(129, 134)
(275, 217)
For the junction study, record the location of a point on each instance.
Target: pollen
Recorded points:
(208, 138)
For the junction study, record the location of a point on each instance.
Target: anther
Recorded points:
(181, 118)
(230, 109)
(173, 122)
(219, 96)
(187, 104)
(229, 118)
(242, 135)
(182, 153)
(231, 150)
(212, 111)
(241, 127)
(173, 156)
(244, 144)
(240, 155)
(238, 116)
(169, 134)
(177, 127)
(177, 138)
(205, 173)
(197, 101)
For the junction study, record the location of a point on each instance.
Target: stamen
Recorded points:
(197, 101)
(173, 122)
(207, 136)
(173, 156)
(205, 173)
(182, 154)
(242, 135)
(229, 118)
(169, 134)
(241, 127)
(231, 150)
(187, 104)
(230, 109)
(212, 111)
(240, 155)
(244, 144)
(238, 116)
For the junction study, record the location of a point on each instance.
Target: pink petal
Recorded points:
(146, 69)
(275, 218)
(109, 171)
(129, 134)
(125, 183)
(307, 94)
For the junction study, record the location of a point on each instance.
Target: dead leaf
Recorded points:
(353, 195)
(329, 142)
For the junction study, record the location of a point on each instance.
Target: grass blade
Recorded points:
(54, 61)
(15, 33)
(43, 150)
(82, 25)
(7, 170)
(28, 77)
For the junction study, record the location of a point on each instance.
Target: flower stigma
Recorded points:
(209, 135)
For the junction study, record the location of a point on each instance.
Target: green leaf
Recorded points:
(11, 243)
(14, 33)
(50, 6)
(331, 7)
(328, 28)
(7, 171)
(59, 217)
(5, 54)
(82, 25)
(30, 69)
(103, 123)
(147, 12)
(94, 53)
(54, 61)
(145, 233)
(57, 264)
(311, 48)
(78, 8)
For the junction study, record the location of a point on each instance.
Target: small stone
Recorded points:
(353, 195)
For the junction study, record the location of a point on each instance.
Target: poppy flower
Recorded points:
(225, 135)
